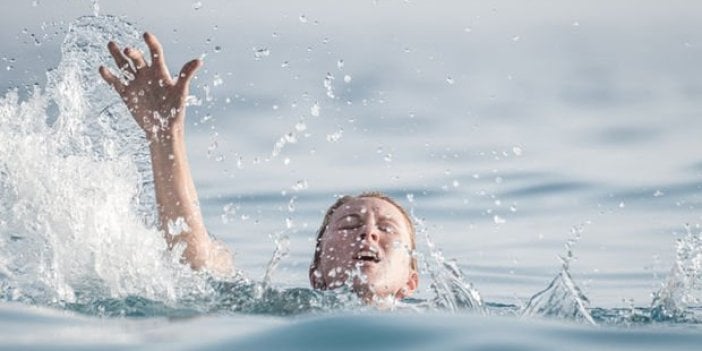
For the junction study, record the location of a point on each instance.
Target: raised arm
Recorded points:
(157, 103)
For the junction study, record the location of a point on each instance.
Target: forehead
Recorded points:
(376, 206)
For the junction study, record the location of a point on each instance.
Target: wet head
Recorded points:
(366, 242)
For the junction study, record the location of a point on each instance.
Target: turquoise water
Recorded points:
(547, 153)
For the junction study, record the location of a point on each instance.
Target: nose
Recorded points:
(370, 232)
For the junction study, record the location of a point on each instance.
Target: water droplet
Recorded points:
(96, 8)
(513, 208)
(217, 49)
(347, 79)
(314, 110)
(35, 3)
(410, 198)
(261, 53)
(468, 29)
(197, 5)
(516, 38)
(205, 118)
(517, 151)
(328, 80)
(300, 185)
(499, 220)
(456, 184)
(498, 180)
(217, 80)
(300, 126)
(10, 67)
(658, 193)
(284, 64)
(336, 136)
(450, 80)
(288, 223)
(303, 19)
(286, 161)
(621, 205)
(576, 24)
(340, 64)
(387, 157)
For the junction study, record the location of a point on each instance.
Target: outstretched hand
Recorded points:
(154, 98)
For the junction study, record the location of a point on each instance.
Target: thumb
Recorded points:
(187, 73)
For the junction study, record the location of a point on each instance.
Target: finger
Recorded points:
(187, 73)
(121, 62)
(156, 50)
(136, 57)
(111, 79)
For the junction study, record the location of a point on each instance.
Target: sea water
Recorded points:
(555, 194)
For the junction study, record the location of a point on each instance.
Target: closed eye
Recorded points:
(349, 222)
(387, 228)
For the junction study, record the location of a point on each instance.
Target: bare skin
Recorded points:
(367, 246)
(157, 102)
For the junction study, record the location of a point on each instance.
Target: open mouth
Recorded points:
(368, 256)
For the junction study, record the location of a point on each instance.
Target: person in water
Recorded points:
(365, 242)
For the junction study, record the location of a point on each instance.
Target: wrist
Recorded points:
(165, 136)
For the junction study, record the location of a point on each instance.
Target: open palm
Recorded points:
(155, 99)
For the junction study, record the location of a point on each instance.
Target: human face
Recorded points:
(368, 245)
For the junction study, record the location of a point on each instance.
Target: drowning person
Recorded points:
(365, 243)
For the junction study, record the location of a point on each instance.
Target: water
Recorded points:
(549, 161)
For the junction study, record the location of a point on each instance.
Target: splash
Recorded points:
(451, 291)
(76, 210)
(683, 286)
(562, 298)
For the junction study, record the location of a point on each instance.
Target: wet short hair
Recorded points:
(325, 225)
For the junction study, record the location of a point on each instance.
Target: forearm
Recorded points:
(176, 197)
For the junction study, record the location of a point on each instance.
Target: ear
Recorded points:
(410, 286)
